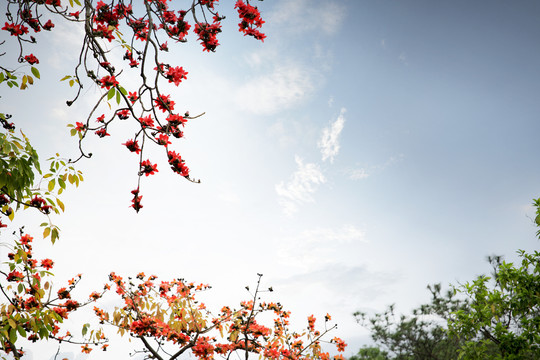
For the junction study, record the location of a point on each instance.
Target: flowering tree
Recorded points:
(122, 39)
(125, 39)
(169, 320)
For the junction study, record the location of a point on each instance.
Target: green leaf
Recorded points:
(118, 97)
(35, 71)
(85, 329)
(110, 95)
(122, 90)
(65, 77)
(50, 187)
(1, 77)
(54, 235)
(21, 331)
(13, 336)
(61, 183)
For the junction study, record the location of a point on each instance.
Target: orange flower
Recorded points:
(86, 349)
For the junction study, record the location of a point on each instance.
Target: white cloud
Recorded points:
(284, 137)
(281, 89)
(363, 173)
(330, 101)
(303, 16)
(403, 58)
(299, 189)
(358, 174)
(329, 143)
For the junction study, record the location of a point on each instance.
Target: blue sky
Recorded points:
(363, 151)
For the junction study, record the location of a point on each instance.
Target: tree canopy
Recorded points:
(122, 39)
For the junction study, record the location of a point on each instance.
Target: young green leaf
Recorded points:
(35, 71)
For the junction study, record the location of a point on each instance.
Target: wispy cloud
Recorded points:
(303, 15)
(299, 189)
(403, 58)
(329, 143)
(363, 172)
(358, 174)
(323, 245)
(276, 91)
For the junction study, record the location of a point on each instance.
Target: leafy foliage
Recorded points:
(503, 320)
(370, 353)
(420, 336)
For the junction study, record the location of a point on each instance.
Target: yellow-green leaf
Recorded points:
(46, 232)
(60, 204)
(51, 184)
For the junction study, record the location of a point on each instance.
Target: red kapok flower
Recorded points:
(177, 164)
(146, 121)
(14, 276)
(163, 139)
(175, 120)
(147, 168)
(164, 103)
(79, 126)
(133, 97)
(123, 114)
(136, 202)
(63, 293)
(31, 59)
(176, 75)
(102, 133)
(48, 25)
(86, 349)
(108, 81)
(133, 146)
(26, 239)
(47, 264)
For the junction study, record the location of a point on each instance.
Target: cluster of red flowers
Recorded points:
(156, 19)
(15, 30)
(251, 20)
(177, 164)
(31, 309)
(40, 204)
(207, 34)
(175, 74)
(136, 201)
